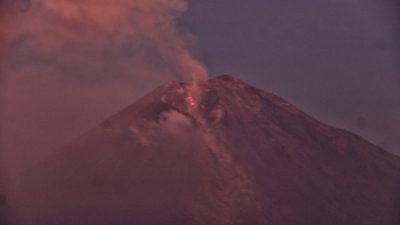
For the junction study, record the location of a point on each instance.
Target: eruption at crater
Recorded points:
(93, 54)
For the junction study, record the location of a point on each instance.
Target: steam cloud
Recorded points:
(72, 63)
(50, 25)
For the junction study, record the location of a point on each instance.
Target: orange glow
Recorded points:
(191, 101)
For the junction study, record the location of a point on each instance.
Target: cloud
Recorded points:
(171, 124)
(174, 122)
(51, 26)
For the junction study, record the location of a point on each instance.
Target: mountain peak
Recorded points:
(218, 152)
(226, 78)
(211, 101)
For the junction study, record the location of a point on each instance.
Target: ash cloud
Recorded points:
(52, 26)
(70, 64)
(172, 124)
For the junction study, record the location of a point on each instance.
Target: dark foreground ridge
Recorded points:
(221, 153)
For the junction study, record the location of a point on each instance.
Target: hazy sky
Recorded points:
(336, 59)
(71, 64)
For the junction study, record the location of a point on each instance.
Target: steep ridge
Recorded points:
(231, 155)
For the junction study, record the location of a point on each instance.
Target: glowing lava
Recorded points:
(192, 103)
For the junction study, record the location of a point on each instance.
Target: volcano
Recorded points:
(226, 154)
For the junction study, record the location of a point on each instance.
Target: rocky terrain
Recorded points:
(220, 153)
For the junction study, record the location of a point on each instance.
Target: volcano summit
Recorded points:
(231, 155)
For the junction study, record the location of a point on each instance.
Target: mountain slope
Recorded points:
(227, 153)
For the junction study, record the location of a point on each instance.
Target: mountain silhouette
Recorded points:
(219, 153)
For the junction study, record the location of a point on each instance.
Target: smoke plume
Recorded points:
(72, 63)
(50, 25)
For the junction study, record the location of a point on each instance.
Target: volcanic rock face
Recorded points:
(231, 155)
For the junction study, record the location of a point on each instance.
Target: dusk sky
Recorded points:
(337, 60)
(69, 65)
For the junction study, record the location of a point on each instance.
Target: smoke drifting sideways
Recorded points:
(71, 63)
(47, 26)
